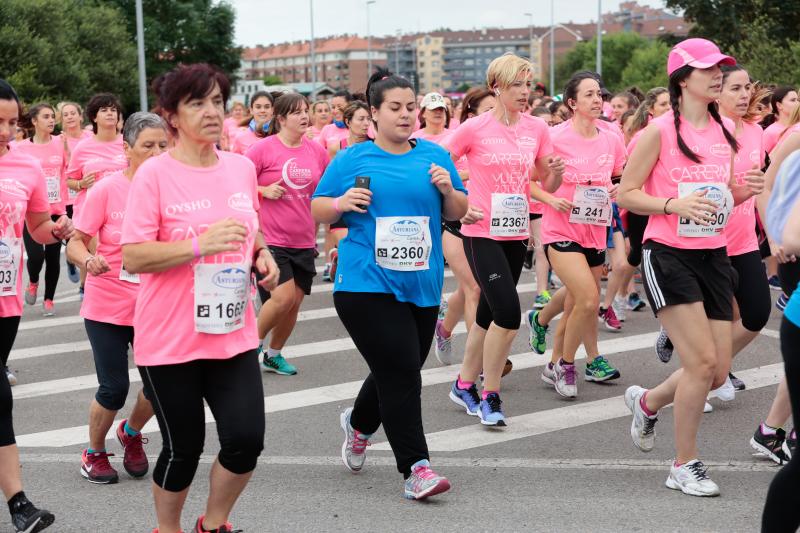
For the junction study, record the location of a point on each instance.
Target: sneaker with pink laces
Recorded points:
(31, 292)
(227, 527)
(96, 468)
(48, 308)
(354, 448)
(565, 382)
(424, 482)
(609, 318)
(134, 460)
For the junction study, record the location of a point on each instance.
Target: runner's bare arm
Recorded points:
(45, 231)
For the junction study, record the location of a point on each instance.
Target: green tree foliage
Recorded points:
(273, 80)
(184, 31)
(65, 49)
(726, 21)
(647, 67)
(768, 60)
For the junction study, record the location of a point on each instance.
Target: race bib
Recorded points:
(124, 275)
(509, 217)
(717, 192)
(403, 243)
(220, 297)
(591, 205)
(10, 259)
(53, 189)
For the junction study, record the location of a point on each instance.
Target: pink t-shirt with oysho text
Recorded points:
(22, 190)
(53, 159)
(331, 135)
(673, 168)
(107, 298)
(741, 229)
(501, 160)
(170, 201)
(588, 162)
(94, 157)
(287, 221)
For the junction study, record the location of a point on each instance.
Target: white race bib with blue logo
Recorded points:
(403, 243)
(509, 216)
(220, 297)
(716, 192)
(10, 259)
(591, 205)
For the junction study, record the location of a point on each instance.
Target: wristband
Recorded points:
(196, 248)
(666, 204)
(336, 205)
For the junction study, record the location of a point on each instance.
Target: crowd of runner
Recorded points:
(191, 233)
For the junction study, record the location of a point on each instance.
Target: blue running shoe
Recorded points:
(278, 365)
(468, 399)
(635, 303)
(491, 411)
(775, 283)
(72, 273)
(780, 304)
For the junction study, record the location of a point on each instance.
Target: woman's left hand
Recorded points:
(440, 177)
(63, 228)
(754, 181)
(267, 267)
(556, 166)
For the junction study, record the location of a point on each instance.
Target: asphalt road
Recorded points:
(559, 466)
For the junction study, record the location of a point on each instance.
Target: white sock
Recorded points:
(272, 352)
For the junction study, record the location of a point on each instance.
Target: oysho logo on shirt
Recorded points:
(755, 157)
(527, 141)
(405, 228)
(240, 202)
(575, 161)
(13, 187)
(294, 175)
(188, 207)
(720, 150)
(493, 140)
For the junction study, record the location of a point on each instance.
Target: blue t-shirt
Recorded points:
(785, 193)
(401, 187)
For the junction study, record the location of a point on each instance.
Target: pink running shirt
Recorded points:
(501, 159)
(72, 143)
(53, 159)
(587, 162)
(287, 222)
(440, 139)
(22, 190)
(245, 138)
(772, 134)
(94, 157)
(741, 229)
(672, 168)
(331, 135)
(107, 298)
(170, 201)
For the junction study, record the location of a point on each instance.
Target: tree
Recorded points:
(185, 31)
(464, 87)
(65, 49)
(272, 80)
(647, 67)
(724, 21)
(618, 49)
(764, 58)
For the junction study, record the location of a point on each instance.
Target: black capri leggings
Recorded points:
(496, 266)
(8, 333)
(782, 509)
(636, 226)
(234, 393)
(110, 349)
(752, 290)
(41, 254)
(394, 338)
(789, 276)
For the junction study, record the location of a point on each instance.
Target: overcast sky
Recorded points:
(275, 21)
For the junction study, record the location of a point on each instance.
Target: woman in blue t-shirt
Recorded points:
(392, 193)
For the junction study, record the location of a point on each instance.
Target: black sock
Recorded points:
(17, 501)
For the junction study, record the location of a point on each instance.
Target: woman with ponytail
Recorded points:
(784, 101)
(680, 173)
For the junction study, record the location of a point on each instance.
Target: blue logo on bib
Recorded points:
(230, 278)
(405, 228)
(517, 203)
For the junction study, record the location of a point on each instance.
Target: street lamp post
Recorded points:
(599, 60)
(552, 47)
(369, 41)
(313, 52)
(397, 53)
(140, 51)
(530, 33)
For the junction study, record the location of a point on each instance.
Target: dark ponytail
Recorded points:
(380, 82)
(675, 80)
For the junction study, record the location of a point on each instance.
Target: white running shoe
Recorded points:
(354, 448)
(643, 430)
(691, 478)
(619, 305)
(566, 382)
(726, 392)
(444, 347)
(707, 408)
(549, 374)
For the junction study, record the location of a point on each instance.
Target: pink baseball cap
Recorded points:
(698, 53)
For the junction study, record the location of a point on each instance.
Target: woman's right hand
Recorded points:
(695, 207)
(87, 181)
(473, 215)
(560, 204)
(778, 253)
(272, 192)
(354, 199)
(97, 265)
(227, 235)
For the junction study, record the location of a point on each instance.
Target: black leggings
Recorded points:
(394, 338)
(8, 332)
(496, 266)
(40, 254)
(636, 226)
(782, 510)
(234, 393)
(752, 290)
(110, 349)
(789, 276)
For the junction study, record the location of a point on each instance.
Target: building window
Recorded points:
(469, 62)
(436, 52)
(422, 64)
(435, 64)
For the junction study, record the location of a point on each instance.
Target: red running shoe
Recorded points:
(96, 468)
(135, 460)
(224, 528)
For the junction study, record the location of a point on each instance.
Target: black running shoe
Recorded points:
(790, 444)
(28, 519)
(528, 263)
(770, 445)
(737, 383)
